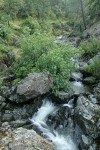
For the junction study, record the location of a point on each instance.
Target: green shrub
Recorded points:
(39, 54)
(32, 47)
(4, 31)
(90, 48)
(32, 24)
(94, 68)
(57, 62)
(46, 26)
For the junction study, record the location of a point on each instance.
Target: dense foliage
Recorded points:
(90, 48)
(94, 68)
(42, 54)
(27, 28)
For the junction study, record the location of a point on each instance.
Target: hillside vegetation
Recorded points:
(28, 30)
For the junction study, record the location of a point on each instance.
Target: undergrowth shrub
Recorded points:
(90, 48)
(39, 53)
(32, 24)
(94, 68)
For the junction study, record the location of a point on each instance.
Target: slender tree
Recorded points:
(83, 16)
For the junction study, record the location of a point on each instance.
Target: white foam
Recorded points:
(39, 119)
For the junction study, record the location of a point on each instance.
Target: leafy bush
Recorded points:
(32, 47)
(40, 53)
(1, 81)
(32, 24)
(94, 68)
(57, 62)
(46, 26)
(4, 31)
(90, 48)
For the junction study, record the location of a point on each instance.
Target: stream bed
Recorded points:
(61, 138)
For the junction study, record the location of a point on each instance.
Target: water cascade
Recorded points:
(60, 141)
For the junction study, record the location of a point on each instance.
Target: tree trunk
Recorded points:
(81, 3)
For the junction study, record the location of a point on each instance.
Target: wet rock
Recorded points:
(18, 115)
(21, 139)
(87, 115)
(34, 85)
(19, 123)
(97, 92)
(97, 57)
(83, 69)
(7, 117)
(83, 65)
(59, 119)
(76, 76)
(92, 98)
(2, 103)
(64, 96)
(79, 88)
(89, 80)
(86, 142)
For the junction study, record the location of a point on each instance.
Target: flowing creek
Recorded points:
(59, 137)
(56, 123)
(65, 122)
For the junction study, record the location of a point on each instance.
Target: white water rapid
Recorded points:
(39, 119)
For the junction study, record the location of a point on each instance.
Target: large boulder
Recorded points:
(34, 85)
(97, 92)
(87, 116)
(23, 139)
(18, 114)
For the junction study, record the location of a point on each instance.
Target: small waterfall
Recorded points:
(70, 104)
(61, 142)
(78, 87)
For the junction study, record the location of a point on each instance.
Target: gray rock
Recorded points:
(97, 57)
(89, 80)
(18, 123)
(97, 92)
(34, 85)
(87, 115)
(2, 103)
(76, 76)
(85, 141)
(83, 68)
(64, 96)
(79, 88)
(23, 139)
(92, 98)
(18, 115)
(7, 117)
(83, 65)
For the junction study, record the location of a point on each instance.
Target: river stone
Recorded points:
(92, 98)
(85, 141)
(2, 103)
(97, 57)
(34, 85)
(87, 115)
(23, 139)
(64, 96)
(83, 69)
(76, 76)
(89, 80)
(79, 88)
(97, 92)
